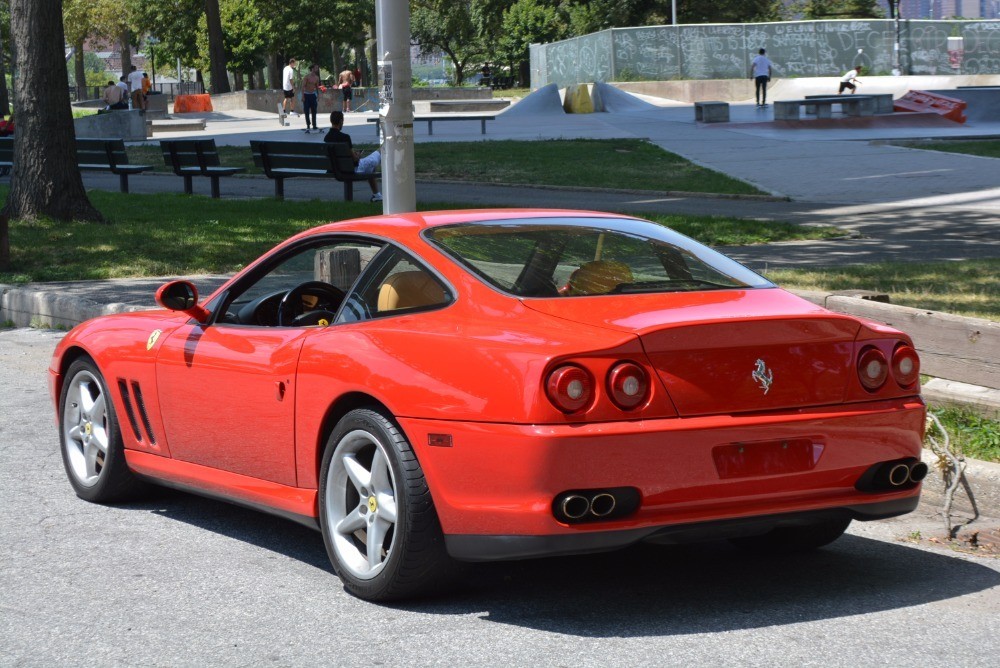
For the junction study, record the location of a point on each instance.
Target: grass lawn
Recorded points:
(970, 287)
(971, 434)
(617, 163)
(986, 148)
(170, 233)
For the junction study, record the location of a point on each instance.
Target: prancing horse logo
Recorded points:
(763, 376)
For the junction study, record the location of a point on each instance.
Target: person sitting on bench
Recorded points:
(366, 165)
(114, 97)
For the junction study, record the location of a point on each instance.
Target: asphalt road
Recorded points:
(177, 580)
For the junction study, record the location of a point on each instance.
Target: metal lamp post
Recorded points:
(392, 26)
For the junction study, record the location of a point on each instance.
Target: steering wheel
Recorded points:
(291, 311)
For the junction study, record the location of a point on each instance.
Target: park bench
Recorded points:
(711, 112)
(106, 155)
(430, 120)
(282, 160)
(195, 157)
(852, 105)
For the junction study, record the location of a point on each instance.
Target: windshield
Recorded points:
(571, 257)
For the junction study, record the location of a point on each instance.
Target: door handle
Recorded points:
(280, 390)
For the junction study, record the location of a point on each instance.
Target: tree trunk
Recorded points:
(4, 242)
(274, 71)
(79, 72)
(238, 80)
(45, 180)
(4, 95)
(216, 48)
(126, 46)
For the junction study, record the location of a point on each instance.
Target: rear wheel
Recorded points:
(795, 538)
(379, 524)
(92, 448)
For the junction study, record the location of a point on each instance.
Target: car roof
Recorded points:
(405, 224)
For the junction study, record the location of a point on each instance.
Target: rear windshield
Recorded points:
(567, 257)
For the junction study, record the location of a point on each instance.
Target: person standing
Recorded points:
(365, 165)
(850, 80)
(310, 97)
(760, 72)
(346, 85)
(135, 86)
(288, 87)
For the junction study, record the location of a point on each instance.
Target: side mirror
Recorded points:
(181, 296)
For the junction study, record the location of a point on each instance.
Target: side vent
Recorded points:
(137, 391)
(129, 411)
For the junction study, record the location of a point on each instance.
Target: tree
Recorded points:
(4, 40)
(447, 25)
(216, 47)
(524, 23)
(841, 9)
(731, 11)
(76, 23)
(45, 179)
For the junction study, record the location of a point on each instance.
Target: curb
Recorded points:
(32, 308)
(984, 480)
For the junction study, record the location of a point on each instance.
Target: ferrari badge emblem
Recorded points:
(763, 376)
(151, 341)
(372, 504)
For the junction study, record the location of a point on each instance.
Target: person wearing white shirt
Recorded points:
(288, 86)
(760, 72)
(135, 86)
(849, 80)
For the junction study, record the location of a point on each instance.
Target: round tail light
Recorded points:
(905, 365)
(628, 385)
(873, 368)
(569, 388)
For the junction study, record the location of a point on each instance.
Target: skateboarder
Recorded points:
(849, 80)
(760, 72)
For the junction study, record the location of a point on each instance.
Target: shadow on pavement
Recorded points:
(645, 590)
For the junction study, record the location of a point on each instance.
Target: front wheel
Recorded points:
(379, 524)
(92, 448)
(795, 538)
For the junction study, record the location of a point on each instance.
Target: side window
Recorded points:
(320, 273)
(398, 284)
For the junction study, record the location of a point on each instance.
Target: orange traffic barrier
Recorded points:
(921, 100)
(189, 103)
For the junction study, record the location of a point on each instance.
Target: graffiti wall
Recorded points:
(798, 49)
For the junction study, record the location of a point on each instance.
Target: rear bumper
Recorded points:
(471, 547)
(496, 483)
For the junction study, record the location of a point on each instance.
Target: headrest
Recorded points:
(599, 277)
(409, 289)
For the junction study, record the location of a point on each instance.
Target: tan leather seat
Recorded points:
(409, 289)
(599, 277)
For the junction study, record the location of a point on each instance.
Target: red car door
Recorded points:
(227, 398)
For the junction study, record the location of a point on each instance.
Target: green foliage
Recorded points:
(840, 9)
(972, 434)
(246, 34)
(449, 26)
(524, 23)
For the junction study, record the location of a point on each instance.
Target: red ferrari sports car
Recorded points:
(482, 385)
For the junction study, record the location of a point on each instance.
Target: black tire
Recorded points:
(795, 538)
(90, 438)
(398, 516)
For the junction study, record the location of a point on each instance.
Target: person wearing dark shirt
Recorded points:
(365, 165)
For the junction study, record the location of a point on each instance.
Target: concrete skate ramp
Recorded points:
(983, 103)
(545, 100)
(611, 99)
